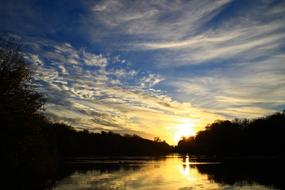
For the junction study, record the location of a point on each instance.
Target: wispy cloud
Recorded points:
(253, 88)
(191, 32)
(152, 20)
(241, 49)
(80, 89)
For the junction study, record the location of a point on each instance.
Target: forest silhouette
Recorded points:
(263, 136)
(33, 147)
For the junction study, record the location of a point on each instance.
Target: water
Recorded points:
(167, 173)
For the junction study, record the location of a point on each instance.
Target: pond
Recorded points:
(168, 173)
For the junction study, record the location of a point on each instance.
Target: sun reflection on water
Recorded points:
(189, 172)
(168, 173)
(185, 167)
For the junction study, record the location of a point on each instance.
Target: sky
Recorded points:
(163, 68)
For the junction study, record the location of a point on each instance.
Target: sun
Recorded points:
(185, 129)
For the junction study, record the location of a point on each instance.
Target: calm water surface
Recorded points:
(167, 173)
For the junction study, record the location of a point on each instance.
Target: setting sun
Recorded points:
(185, 129)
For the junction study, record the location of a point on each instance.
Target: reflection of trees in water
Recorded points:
(107, 173)
(265, 172)
(100, 167)
(117, 167)
(109, 164)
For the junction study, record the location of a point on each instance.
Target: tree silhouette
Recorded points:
(257, 137)
(25, 142)
(17, 95)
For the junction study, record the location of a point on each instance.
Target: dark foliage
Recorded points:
(83, 143)
(258, 137)
(28, 150)
(17, 96)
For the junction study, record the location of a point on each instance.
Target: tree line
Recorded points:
(263, 136)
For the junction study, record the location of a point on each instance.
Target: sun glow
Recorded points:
(185, 129)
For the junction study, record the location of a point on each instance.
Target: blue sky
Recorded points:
(154, 68)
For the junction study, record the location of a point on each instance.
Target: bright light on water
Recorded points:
(143, 173)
